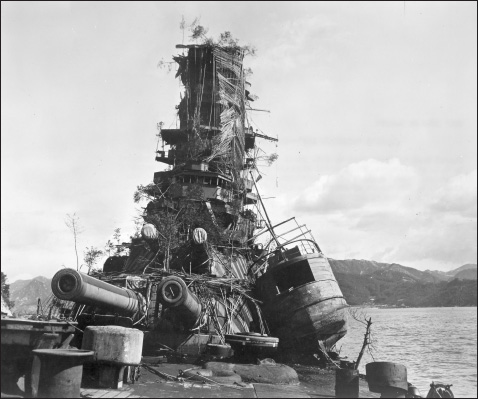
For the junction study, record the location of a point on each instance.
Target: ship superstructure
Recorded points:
(197, 268)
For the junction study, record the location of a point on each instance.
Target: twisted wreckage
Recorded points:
(198, 275)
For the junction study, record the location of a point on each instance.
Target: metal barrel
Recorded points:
(387, 378)
(61, 371)
(346, 383)
(70, 285)
(173, 293)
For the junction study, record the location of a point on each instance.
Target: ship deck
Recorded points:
(314, 383)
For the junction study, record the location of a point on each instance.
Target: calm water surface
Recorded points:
(435, 344)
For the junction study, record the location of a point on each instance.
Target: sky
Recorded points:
(374, 105)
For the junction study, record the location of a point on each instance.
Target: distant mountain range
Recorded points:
(361, 281)
(375, 283)
(367, 267)
(467, 271)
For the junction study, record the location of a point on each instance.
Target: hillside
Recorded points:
(446, 276)
(25, 293)
(368, 282)
(468, 266)
(367, 267)
(467, 274)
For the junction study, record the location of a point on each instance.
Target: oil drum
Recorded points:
(346, 383)
(60, 372)
(387, 378)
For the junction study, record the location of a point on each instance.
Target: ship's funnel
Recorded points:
(70, 285)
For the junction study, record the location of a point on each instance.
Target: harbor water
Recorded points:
(435, 344)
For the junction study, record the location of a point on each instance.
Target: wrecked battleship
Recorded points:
(196, 273)
(209, 273)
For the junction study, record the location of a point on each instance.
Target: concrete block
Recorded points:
(114, 344)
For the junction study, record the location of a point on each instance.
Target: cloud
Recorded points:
(382, 211)
(447, 231)
(21, 276)
(458, 196)
(448, 239)
(363, 185)
(287, 52)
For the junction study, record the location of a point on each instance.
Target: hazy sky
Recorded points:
(374, 105)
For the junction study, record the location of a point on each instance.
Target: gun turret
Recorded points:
(174, 294)
(70, 285)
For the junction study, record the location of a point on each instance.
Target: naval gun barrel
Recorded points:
(173, 293)
(70, 285)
